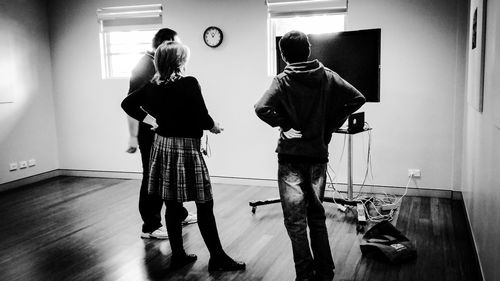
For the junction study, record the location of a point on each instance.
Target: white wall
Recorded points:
(418, 122)
(27, 127)
(415, 126)
(481, 184)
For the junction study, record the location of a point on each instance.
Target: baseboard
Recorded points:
(394, 190)
(473, 238)
(341, 187)
(29, 180)
(457, 195)
(101, 174)
(244, 181)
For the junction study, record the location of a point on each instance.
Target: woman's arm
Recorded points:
(133, 103)
(200, 110)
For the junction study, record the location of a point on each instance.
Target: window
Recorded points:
(126, 34)
(308, 16)
(121, 50)
(314, 24)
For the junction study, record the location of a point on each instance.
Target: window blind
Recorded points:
(116, 18)
(278, 8)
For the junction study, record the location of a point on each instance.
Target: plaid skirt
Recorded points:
(178, 171)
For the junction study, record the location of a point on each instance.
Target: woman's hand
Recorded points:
(216, 129)
(150, 120)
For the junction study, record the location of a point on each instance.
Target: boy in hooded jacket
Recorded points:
(308, 102)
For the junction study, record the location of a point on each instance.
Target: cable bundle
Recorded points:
(380, 204)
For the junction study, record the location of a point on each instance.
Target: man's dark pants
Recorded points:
(149, 205)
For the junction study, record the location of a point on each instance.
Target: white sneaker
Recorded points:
(191, 218)
(160, 233)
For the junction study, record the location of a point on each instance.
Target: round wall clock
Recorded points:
(212, 36)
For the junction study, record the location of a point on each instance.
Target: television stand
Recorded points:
(350, 201)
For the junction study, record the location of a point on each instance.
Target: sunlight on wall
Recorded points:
(6, 65)
(15, 70)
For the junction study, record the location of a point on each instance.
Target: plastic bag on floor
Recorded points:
(384, 241)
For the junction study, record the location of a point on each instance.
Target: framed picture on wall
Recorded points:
(475, 72)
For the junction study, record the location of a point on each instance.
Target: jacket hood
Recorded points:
(309, 71)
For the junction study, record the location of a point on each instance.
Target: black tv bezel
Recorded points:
(375, 98)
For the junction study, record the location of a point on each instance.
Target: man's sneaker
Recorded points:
(191, 218)
(160, 233)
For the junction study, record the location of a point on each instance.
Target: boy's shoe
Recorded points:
(191, 218)
(160, 233)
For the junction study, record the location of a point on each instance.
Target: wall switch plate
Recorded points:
(31, 162)
(23, 164)
(13, 166)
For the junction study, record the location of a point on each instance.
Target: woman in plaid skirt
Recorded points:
(173, 105)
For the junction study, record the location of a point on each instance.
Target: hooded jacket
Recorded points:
(312, 99)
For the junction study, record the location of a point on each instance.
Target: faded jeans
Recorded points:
(302, 188)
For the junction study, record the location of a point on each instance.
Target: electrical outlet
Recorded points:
(13, 166)
(414, 173)
(23, 164)
(31, 162)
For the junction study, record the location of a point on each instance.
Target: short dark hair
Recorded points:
(163, 35)
(295, 46)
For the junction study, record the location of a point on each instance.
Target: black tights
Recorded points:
(206, 223)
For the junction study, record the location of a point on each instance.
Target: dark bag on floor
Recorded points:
(383, 240)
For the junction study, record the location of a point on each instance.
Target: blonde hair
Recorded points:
(170, 60)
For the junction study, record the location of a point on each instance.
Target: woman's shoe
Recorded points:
(178, 262)
(225, 265)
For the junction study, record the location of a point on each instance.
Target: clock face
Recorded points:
(212, 36)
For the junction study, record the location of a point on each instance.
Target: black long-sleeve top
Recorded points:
(178, 107)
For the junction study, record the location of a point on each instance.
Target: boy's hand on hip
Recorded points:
(292, 134)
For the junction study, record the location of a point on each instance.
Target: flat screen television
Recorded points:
(354, 55)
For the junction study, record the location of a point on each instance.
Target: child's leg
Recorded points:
(219, 260)
(208, 229)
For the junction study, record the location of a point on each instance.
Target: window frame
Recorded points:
(136, 18)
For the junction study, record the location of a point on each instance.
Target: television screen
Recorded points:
(354, 55)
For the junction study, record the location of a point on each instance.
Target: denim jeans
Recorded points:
(302, 188)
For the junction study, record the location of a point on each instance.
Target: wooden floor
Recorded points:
(71, 228)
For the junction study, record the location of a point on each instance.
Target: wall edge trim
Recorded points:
(229, 180)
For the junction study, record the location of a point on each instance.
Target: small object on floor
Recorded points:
(360, 207)
(160, 233)
(178, 262)
(225, 265)
(191, 218)
(383, 240)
